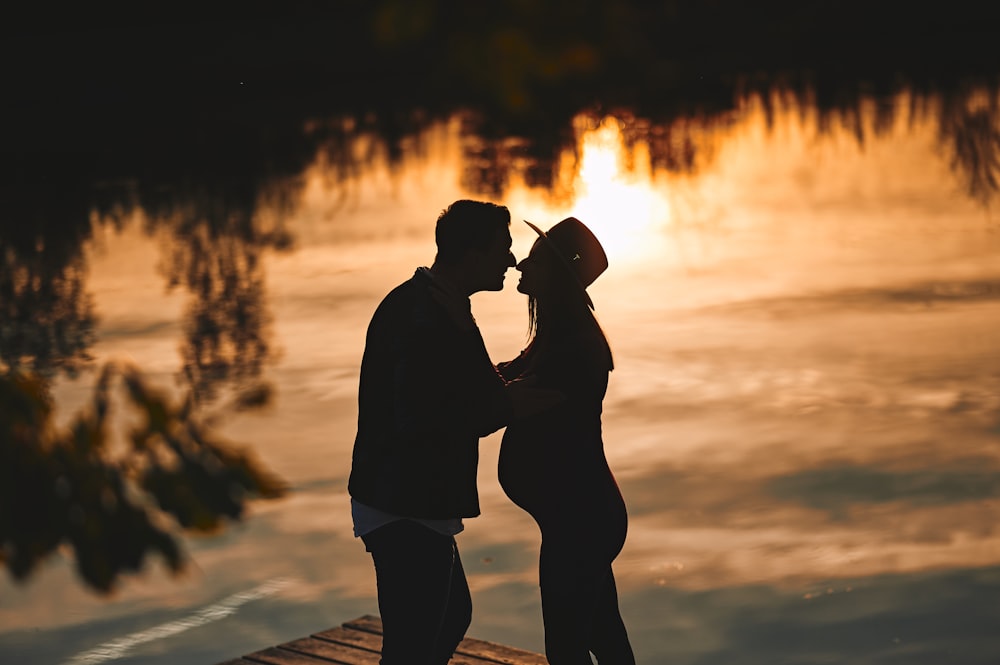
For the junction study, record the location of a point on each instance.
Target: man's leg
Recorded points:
(458, 615)
(423, 608)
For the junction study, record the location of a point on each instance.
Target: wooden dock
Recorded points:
(359, 642)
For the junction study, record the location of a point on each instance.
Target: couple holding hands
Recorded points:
(428, 392)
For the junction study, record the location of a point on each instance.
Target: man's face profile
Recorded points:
(492, 263)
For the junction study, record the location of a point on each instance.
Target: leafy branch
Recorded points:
(110, 503)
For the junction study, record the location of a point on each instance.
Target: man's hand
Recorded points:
(526, 400)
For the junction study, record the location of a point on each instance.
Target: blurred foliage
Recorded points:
(225, 329)
(46, 315)
(111, 504)
(212, 236)
(970, 130)
(212, 246)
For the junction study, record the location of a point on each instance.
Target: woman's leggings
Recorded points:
(580, 604)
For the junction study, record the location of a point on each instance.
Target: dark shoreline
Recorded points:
(95, 81)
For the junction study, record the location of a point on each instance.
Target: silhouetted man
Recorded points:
(428, 392)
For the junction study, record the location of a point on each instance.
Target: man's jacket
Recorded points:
(428, 392)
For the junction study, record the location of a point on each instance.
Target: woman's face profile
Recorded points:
(534, 271)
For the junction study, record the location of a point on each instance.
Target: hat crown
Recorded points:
(579, 248)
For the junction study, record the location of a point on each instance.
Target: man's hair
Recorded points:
(467, 225)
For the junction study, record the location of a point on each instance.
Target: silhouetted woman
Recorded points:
(553, 465)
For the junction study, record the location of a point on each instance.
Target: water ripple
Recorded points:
(119, 647)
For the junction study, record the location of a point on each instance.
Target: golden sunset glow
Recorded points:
(624, 206)
(620, 205)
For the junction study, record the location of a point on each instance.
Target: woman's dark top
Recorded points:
(553, 464)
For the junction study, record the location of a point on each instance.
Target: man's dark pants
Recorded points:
(423, 595)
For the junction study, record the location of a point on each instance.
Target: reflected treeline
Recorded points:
(133, 87)
(232, 85)
(111, 504)
(550, 161)
(47, 316)
(678, 140)
(347, 146)
(216, 193)
(970, 129)
(212, 237)
(226, 340)
(967, 119)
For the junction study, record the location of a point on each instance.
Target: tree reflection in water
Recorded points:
(213, 250)
(114, 503)
(46, 315)
(681, 138)
(967, 117)
(970, 128)
(550, 161)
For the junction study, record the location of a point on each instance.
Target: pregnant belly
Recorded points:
(554, 489)
(522, 476)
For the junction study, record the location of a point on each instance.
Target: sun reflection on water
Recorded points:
(620, 204)
(614, 192)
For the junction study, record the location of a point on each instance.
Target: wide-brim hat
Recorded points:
(578, 249)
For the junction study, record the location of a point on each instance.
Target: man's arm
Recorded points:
(444, 379)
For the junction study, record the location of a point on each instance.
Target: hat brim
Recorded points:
(562, 259)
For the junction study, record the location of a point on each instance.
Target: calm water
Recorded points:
(804, 418)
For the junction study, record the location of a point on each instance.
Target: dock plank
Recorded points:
(279, 656)
(352, 637)
(368, 623)
(332, 651)
(499, 653)
(470, 646)
(359, 642)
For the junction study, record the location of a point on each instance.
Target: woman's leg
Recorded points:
(580, 599)
(569, 590)
(609, 639)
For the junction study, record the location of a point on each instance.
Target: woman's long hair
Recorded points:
(563, 315)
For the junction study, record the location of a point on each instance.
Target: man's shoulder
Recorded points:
(409, 301)
(407, 292)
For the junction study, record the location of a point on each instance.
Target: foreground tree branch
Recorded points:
(111, 504)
